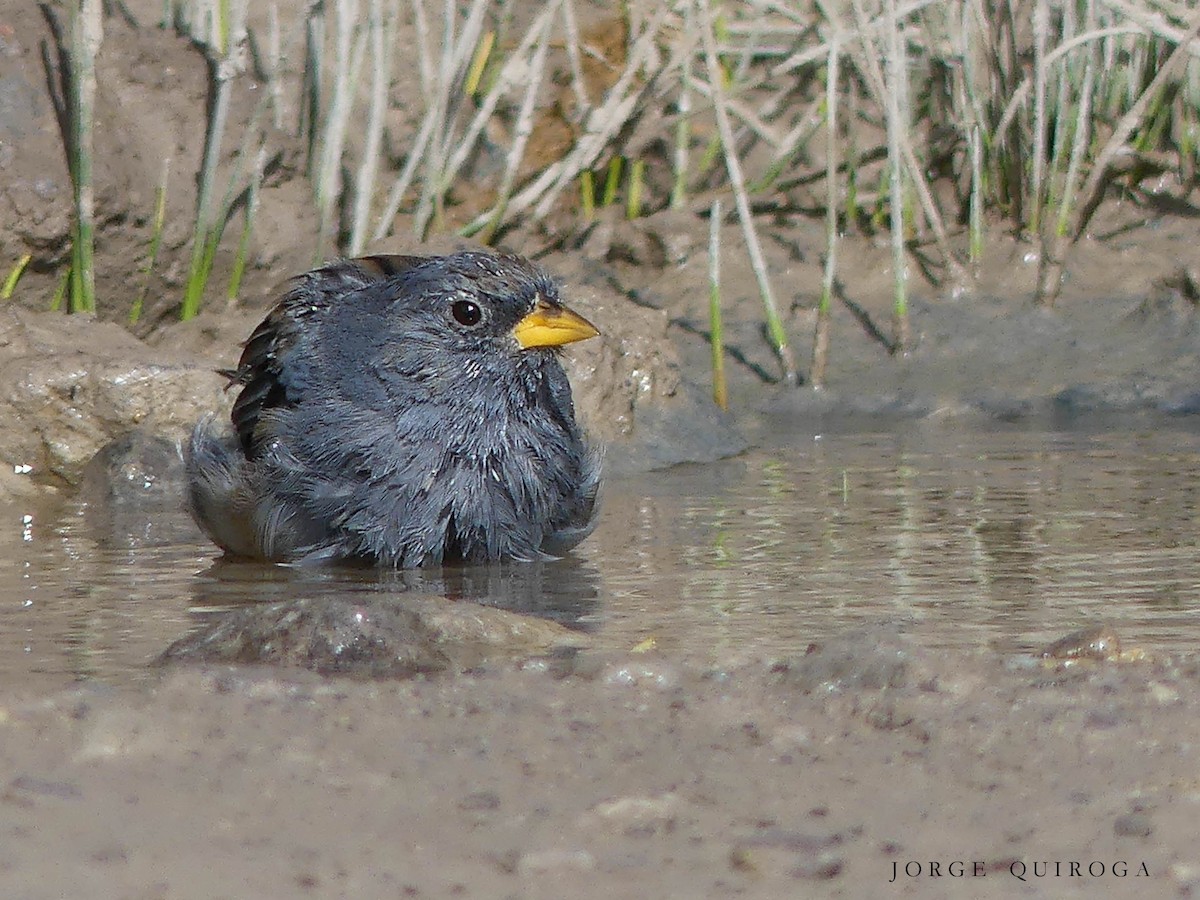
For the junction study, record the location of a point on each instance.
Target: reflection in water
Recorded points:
(1008, 538)
(968, 539)
(564, 591)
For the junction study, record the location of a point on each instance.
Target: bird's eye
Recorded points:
(466, 313)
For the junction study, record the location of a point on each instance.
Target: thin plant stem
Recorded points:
(587, 195)
(734, 169)
(438, 150)
(380, 34)
(312, 92)
(820, 356)
(1079, 146)
(14, 275)
(60, 292)
(514, 70)
(975, 210)
(457, 49)
(1050, 273)
(612, 181)
(716, 330)
(895, 124)
(223, 70)
(1041, 28)
(156, 233)
(274, 65)
(633, 200)
(479, 62)
(683, 128)
(574, 58)
(600, 127)
(337, 119)
(243, 249)
(424, 49)
(524, 129)
(972, 115)
(87, 34)
(893, 16)
(1092, 190)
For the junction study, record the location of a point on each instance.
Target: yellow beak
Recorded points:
(552, 326)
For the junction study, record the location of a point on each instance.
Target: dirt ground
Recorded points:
(861, 767)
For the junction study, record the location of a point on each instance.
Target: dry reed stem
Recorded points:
(516, 68)
(820, 355)
(524, 127)
(904, 148)
(716, 328)
(437, 135)
(458, 53)
(224, 68)
(751, 119)
(424, 51)
(1041, 28)
(273, 65)
(601, 126)
(87, 35)
(381, 34)
(1158, 25)
(1082, 139)
(439, 114)
(897, 101)
(734, 169)
(683, 126)
(337, 119)
(815, 52)
(574, 58)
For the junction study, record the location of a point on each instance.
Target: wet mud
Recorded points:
(862, 766)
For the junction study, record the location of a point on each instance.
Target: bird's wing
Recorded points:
(263, 369)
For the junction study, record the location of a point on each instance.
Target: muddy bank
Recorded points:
(828, 773)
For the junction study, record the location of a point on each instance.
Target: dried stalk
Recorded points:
(820, 355)
(734, 169)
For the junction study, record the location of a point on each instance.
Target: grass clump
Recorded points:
(941, 121)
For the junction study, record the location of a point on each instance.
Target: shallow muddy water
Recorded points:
(1003, 539)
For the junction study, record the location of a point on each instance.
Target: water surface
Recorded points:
(967, 539)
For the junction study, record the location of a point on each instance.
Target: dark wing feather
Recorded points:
(261, 369)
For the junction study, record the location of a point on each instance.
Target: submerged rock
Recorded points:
(371, 638)
(873, 658)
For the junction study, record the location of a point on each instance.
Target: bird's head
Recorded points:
(483, 308)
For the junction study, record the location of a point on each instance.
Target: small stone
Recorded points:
(1098, 642)
(480, 801)
(1134, 824)
(641, 672)
(640, 815)
(823, 867)
(866, 659)
(541, 862)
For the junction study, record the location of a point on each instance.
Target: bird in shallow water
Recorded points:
(402, 411)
